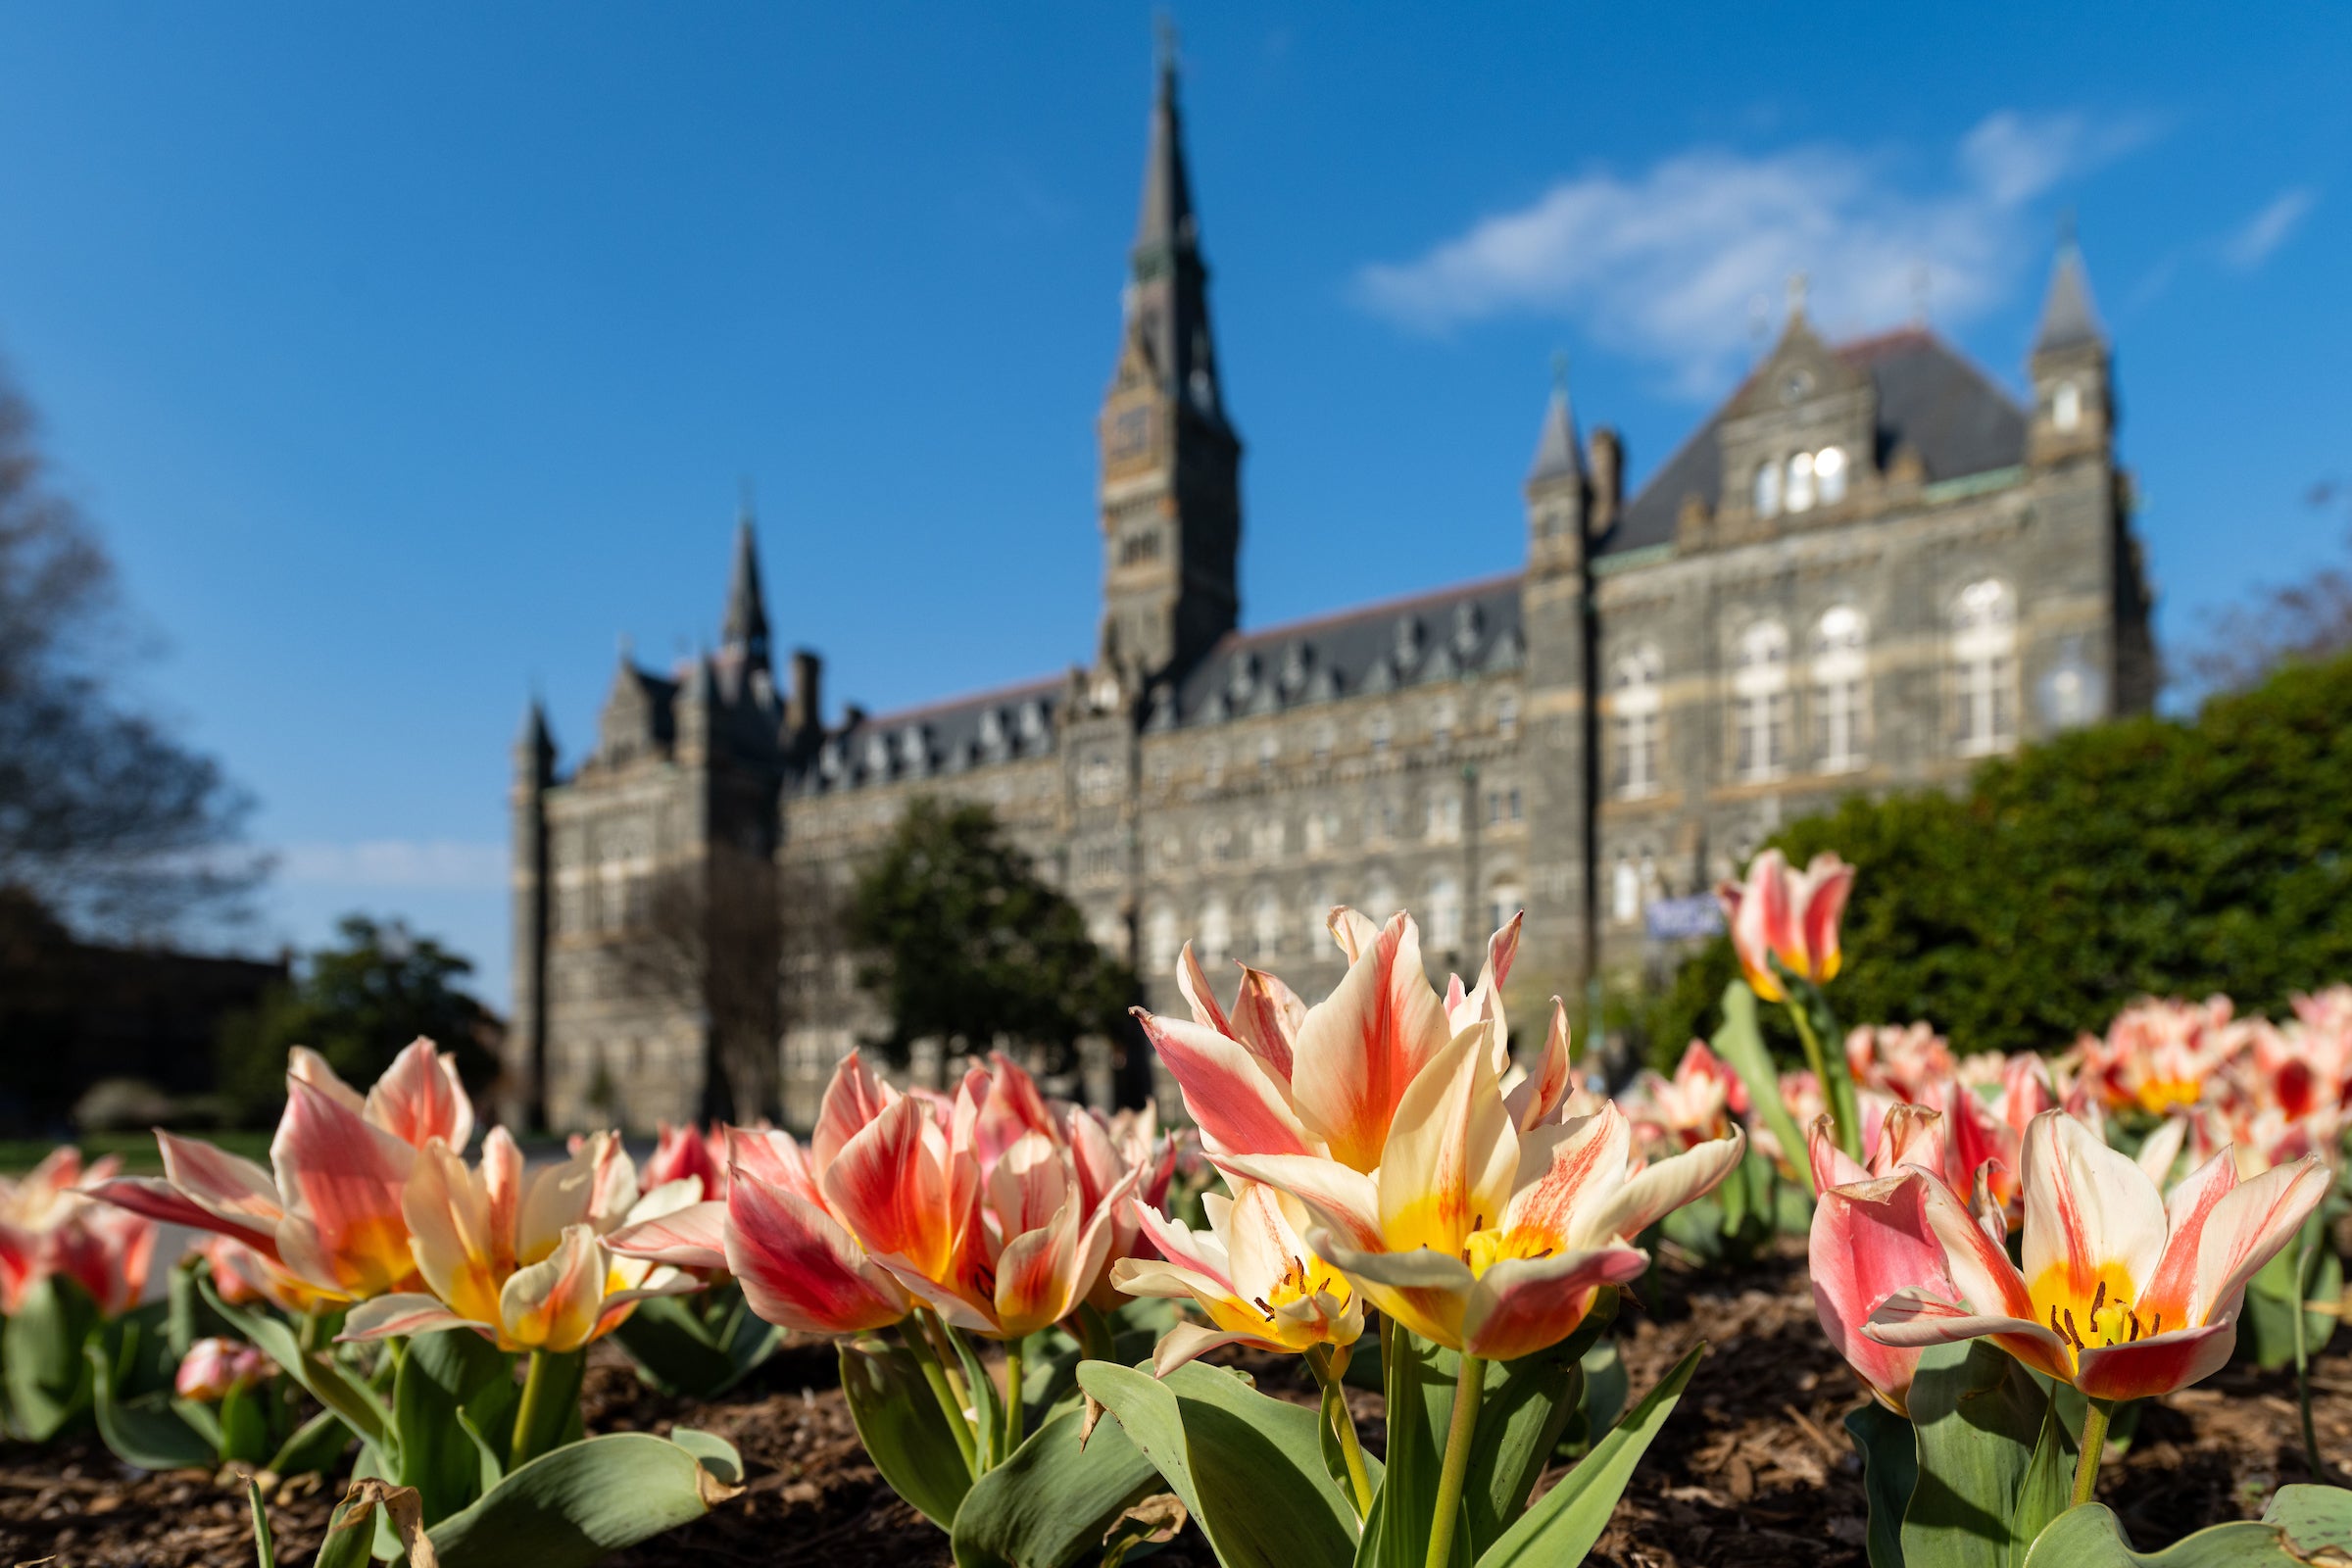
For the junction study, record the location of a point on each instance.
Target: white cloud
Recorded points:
(1668, 264)
(438, 864)
(2251, 246)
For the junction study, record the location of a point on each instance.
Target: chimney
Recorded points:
(1607, 465)
(805, 712)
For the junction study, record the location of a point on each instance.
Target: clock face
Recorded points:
(1130, 432)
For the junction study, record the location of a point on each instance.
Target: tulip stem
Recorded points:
(1343, 1427)
(1837, 1088)
(960, 1426)
(1012, 1391)
(2305, 1259)
(537, 1418)
(2094, 1443)
(936, 1333)
(1461, 1432)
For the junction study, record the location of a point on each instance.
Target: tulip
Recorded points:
(328, 1211)
(1692, 1108)
(1870, 1240)
(2158, 1057)
(2123, 1292)
(1910, 1063)
(1274, 1076)
(1790, 916)
(215, 1368)
(1479, 1237)
(1258, 1283)
(683, 1152)
(48, 1227)
(519, 1261)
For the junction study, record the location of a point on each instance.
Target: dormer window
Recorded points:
(1828, 475)
(2066, 405)
(1801, 482)
(1768, 490)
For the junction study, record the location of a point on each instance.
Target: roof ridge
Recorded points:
(900, 716)
(1376, 607)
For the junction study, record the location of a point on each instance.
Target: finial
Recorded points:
(1559, 370)
(628, 647)
(2065, 227)
(1163, 27)
(1797, 294)
(744, 509)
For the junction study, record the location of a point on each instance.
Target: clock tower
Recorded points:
(1171, 462)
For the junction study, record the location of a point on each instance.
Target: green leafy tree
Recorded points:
(357, 1003)
(2144, 858)
(962, 939)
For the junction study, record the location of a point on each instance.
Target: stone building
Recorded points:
(1873, 566)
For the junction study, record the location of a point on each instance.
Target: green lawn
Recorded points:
(139, 1158)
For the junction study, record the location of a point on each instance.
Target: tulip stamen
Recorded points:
(2098, 1299)
(2073, 1333)
(1263, 1310)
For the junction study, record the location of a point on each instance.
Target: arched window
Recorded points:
(1801, 482)
(1768, 490)
(1760, 702)
(2066, 405)
(1382, 901)
(1507, 715)
(1161, 940)
(1829, 474)
(1635, 713)
(1504, 900)
(1265, 926)
(1269, 750)
(1625, 892)
(1440, 725)
(1984, 667)
(1445, 915)
(1315, 918)
(1215, 937)
(1840, 658)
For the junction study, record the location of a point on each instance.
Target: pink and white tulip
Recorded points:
(1791, 916)
(2123, 1291)
(1871, 1241)
(1258, 1284)
(49, 1227)
(215, 1368)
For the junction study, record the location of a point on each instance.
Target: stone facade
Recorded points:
(1869, 568)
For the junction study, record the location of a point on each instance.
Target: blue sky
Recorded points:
(409, 357)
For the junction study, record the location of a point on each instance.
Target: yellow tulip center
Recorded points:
(2160, 1094)
(2107, 1313)
(1485, 1248)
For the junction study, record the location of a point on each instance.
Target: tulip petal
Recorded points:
(1986, 1283)
(158, 1199)
(1268, 1016)
(1199, 995)
(1343, 1199)
(420, 1098)
(799, 1268)
(1868, 1242)
(1565, 1168)
(1665, 1186)
(1196, 1253)
(1832, 1166)
(2250, 1225)
(1452, 1154)
(2086, 1206)
(340, 1178)
(1547, 1081)
(1186, 1340)
(1357, 933)
(1239, 1108)
(1037, 1275)
(853, 1099)
(1523, 1304)
(555, 1303)
(448, 1215)
(1915, 1320)
(384, 1316)
(694, 1237)
(1362, 1047)
(2156, 1365)
(1828, 881)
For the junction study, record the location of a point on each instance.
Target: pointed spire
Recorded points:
(2069, 319)
(535, 747)
(1556, 455)
(1165, 223)
(744, 635)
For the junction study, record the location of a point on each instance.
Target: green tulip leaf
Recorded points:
(697, 1345)
(2302, 1523)
(1052, 1504)
(1420, 1407)
(1249, 1468)
(1890, 1473)
(47, 1376)
(1979, 1418)
(570, 1508)
(1567, 1520)
(1741, 1044)
(905, 1431)
(441, 1374)
(313, 1448)
(147, 1433)
(264, 1549)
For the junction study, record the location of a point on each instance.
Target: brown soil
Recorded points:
(1754, 1468)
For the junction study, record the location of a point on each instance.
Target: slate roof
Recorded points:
(1929, 396)
(942, 737)
(1427, 637)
